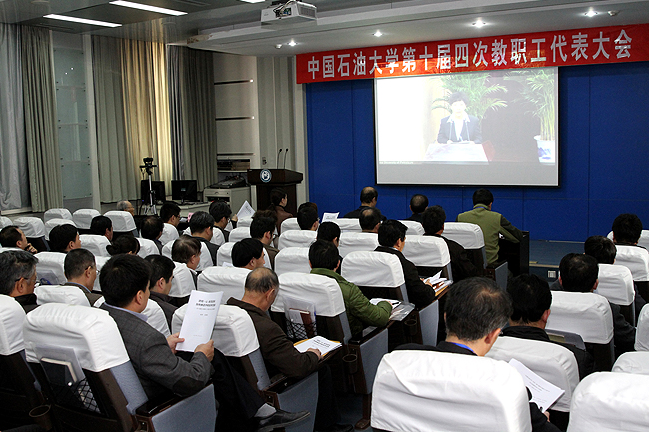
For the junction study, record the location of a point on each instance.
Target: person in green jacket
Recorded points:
(324, 260)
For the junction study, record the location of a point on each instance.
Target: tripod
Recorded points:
(149, 208)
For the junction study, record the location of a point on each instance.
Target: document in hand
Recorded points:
(318, 342)
(246, 210)
(199, 319)
(544, 392)
(330, 216)
(393, 302)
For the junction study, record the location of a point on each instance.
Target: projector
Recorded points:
(292, 12)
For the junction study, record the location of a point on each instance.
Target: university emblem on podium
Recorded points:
(265, 176)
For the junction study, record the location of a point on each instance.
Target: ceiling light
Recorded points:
(479, 24)
(253, 1)
(278, 46)
(147, 7)
(82, 20)
(292, 43)
(612, 13)
(591, 13)
(377, 33)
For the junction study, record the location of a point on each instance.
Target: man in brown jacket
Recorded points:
(279, 354)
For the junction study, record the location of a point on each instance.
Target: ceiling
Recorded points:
(233, 26)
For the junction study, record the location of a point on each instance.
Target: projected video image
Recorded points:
(483, 128)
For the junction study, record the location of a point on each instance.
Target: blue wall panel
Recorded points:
(603, 134)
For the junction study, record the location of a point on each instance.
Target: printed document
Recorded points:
(200, 316)
(246, 210)
(318, 342)
(544, 392)
(328, 216)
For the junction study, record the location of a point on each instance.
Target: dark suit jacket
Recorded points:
(92, 296)
(164, 302)
(471, 131)
(156, 366)
(277, 350)
(461, 266)
(28, 302)
(211, 247)
(415, 217)
(355, 213)
(419, 293)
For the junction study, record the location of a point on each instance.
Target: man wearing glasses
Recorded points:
(80, 270)
(18, 277)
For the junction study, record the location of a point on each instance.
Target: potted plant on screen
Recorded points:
(475, 87)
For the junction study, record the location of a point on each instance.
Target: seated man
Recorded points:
(492, 224)
(418, 205)
(308, 218)
(80, 270)
(102, 226)
(433, 221)
(262, 228)
(279, 354)
(248, 253)
(324, 260)
(476, 310)
(531, 304)
(579, 273)
(13, 237)
(221, 213)
(370, 220)
(152, 229)
(126, 206)
(125, 283)
(64, 238)
(18, 277)
(368, 199)
(627, 228)
(170, 213)
(391, 236)
(329, 231)
(202, 226)
(160, 283)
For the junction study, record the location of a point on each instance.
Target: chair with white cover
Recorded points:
(470, 237)
(641, 341)
(59, 213)
(100, 261)
(18, 387)
(4, 222)
(550, 361)
(53, 222)
(167, 249)
(123, 223)
(34, 230)
(183, 282)
(296, 238)
(644, 239)
(353, 241)
(206, 258)
(632, 362)
(244, 222)
(224, 279)
(413, 228)
(50, 269)
(83, 218)
(68, 295)
(224, 255)
(429, 254)
(170, 233)
(79, 358)
(348, 225)
(590, 316)
(289, 224)
(155, 315)
(292, 259)
(616, 284)
(469, 393)
(609, 401)
(239, 233)
(234, 335)
(96, 244)
(148, 247)
(634, 258)
(217, 237)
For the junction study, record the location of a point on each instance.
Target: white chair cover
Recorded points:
(148, 247)
(4, 222)
(239, 233)
(322, 291)
(233, 334)
(224, 254)
(96, 244)
(206, 259)
(155, 316)
(352, 241)
(469, 235)
(641, 342)
(605, 401)
(218, 238)
(292, 259)
(53, 222)
(296, 238)
(644, 240)
(84, 217)
(616, 284)
(289, 224)
(228, 280)
(426, 251)
(348, 225)
(12, 316)
(586, 314)
(167, 249)
(90, 331)
(50, 265)
(183, 282)
(122, 220)
(32, 227)
(551, 361)
(632, 362)
(169, 234)
(59, 213)
(372, 269)
(100, 261)
(636, 259)
(436, 391)
(69, 295)
(244, 222)
(413, 228)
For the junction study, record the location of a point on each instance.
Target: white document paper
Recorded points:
(246, 210)
(329, 216)
(393, 302)
(318, 342)
(199, 319)
(435, 279)
(544, 392)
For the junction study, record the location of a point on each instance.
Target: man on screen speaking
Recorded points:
(459, 126)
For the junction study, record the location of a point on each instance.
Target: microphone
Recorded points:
(277, 160)
(285, 158)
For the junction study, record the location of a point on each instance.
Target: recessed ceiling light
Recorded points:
(591, 13)
(292, 43)
(82, 20)
(147, 7)
(479, 24)
(253, 1)
(377, 33)
(278, 46)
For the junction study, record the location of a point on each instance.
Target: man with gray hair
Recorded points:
(18, 277)
(126, 206)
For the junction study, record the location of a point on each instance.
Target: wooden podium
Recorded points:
(267, 179)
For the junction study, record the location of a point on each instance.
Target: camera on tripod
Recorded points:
(148, 165)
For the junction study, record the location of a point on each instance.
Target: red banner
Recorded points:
(530, 50)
